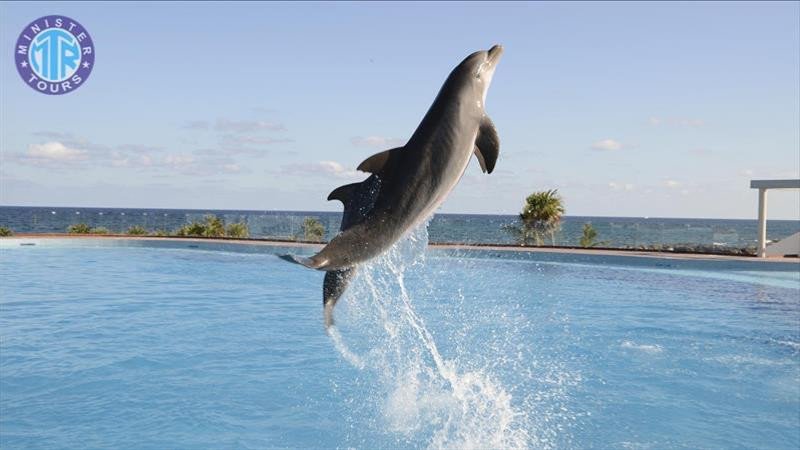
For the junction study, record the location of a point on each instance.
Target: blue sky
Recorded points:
(661, 110)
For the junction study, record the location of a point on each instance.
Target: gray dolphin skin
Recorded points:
(407, 184)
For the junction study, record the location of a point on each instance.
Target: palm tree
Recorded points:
(238, 230)
(137, 230)
(540, 216)
(313, 229)
(214, 226)
(79, 228)
(589, 236)
(211, 226)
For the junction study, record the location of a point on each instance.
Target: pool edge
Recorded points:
(217, 243)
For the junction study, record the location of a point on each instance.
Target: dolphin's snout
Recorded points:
(495, 52)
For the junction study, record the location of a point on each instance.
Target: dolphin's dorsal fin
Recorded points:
(487, 145)
(377, 162)
(343, 193)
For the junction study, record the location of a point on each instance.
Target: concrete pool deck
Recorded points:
(501, 248)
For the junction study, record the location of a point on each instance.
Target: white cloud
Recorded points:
(323, 168)
(67, 154)
(377, 142)
(187, 164)
(121, 160)
(621, 186)
(672, 184)
(607, 145)
(337, 170)
(55, 151)
(178, 160)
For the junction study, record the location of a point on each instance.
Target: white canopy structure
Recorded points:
(763, 186)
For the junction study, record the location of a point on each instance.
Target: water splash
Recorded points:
(422, 396)
(342, 348)
(647, 348)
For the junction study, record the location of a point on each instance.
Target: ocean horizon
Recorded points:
(311, 211)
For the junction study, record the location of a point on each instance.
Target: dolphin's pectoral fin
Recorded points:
(333, 287)
(344, 193)
(480, 159)
(311, 263)
(487, 145)
(377, 162)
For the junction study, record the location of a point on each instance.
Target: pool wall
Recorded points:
(589, 256)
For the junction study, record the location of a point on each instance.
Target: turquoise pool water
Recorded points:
(109, 344)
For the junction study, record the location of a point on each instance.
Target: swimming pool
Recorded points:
(170, 344)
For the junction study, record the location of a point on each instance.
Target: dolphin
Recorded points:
(407, 184)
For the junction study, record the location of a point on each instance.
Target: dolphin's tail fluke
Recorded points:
(333, 287)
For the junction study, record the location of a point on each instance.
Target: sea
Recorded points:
(612, 232)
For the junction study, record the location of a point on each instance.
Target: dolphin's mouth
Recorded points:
(486, 68)
(492, 57)
(494, 53)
